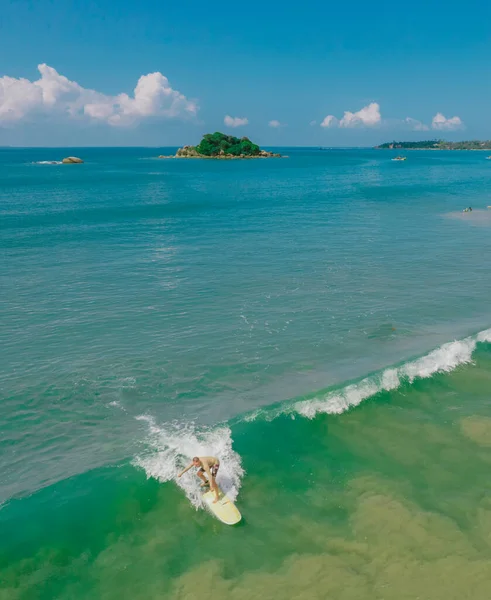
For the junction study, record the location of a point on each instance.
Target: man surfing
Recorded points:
(208, 465)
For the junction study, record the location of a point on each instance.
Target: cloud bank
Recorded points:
(54, 95)
(369, 116)
(235, 121)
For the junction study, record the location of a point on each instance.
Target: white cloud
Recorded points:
(276, 124)
(440, 122)
(235, 121)
(368, 116)
(329, 121)
(415, 125)
(56, 96)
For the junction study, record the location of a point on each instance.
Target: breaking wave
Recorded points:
(170, 447)
(441, 360)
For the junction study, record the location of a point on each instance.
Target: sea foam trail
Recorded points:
(172, 447)
(443, 359)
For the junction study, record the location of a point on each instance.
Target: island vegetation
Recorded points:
(220, 145)
(437, 145)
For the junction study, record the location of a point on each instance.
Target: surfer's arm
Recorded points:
(185, 470)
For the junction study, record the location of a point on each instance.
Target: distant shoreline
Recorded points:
(436, 145)
(438, 149)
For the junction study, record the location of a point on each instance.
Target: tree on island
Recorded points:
(214, 144)
(422, 145)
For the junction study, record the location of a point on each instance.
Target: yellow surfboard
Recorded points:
(224, 510)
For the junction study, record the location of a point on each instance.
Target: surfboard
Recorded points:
(224, 510)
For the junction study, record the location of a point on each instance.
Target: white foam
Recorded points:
(484, 336)
(249, 418)
(171, 447)
(390, 379)
(339, 401)
(128, 382)
(117, 404)
(444, 359)
(48, 162)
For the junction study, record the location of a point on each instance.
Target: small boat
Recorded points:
(400, 158)
(488, 157)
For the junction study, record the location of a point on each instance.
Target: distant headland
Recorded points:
(437, 145)
(221, 146)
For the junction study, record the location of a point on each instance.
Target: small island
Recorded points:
(436, 145)
(221, 146)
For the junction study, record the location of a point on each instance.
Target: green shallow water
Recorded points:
(390, 500)
(295, 318)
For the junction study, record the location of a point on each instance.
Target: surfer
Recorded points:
(208, 465)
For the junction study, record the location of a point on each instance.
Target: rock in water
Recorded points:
(72, 160)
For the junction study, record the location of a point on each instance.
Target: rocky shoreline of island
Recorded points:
(190, 152)
(223, 147)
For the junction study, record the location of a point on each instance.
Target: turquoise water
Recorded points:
(318, 321)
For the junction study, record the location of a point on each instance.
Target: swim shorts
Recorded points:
(213, 470)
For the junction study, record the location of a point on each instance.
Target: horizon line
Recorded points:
(169, 146)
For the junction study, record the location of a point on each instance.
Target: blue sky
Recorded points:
(368, 72)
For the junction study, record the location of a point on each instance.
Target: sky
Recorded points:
(159, 73)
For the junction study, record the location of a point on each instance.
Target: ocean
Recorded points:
(321, 323)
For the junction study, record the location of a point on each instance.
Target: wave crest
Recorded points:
(443, 359)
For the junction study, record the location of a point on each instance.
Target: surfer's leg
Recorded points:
(214, 487)
(201, 474)
(213, 484)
